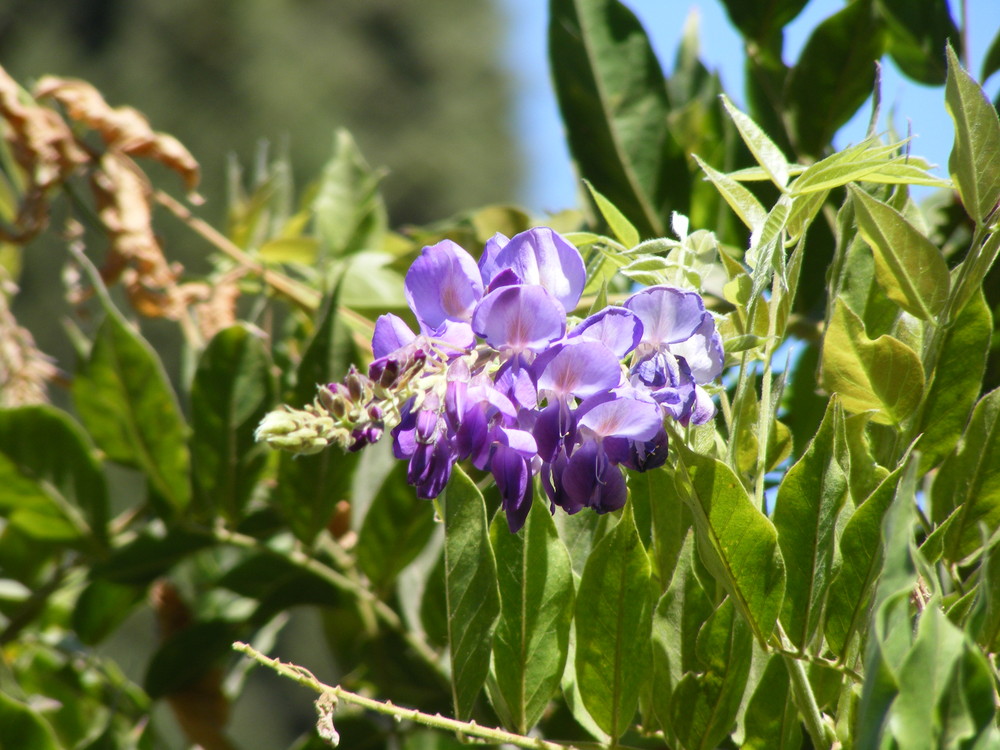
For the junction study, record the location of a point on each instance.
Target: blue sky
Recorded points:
(550, 183)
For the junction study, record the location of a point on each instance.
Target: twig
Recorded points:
(461, 728)
(383, 612)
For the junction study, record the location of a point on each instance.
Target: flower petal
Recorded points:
(668, 315)
(702, 351)
(519, 318)
(391, 333)
(541, 256)
(443, 284)
(608, 415)
(617, 328)
(583, 369)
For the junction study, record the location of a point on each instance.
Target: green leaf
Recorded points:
(974, 163)
(232, 391)
(918, 33)
(742, 201)
(908, 265)
(970, 480)
(621, 226)
(890, 633)
(127, 405)
(809, 501)
(302, 250)
(536, 608)
(956, 382)
(767, 154)
(679, 616)
(924, 676)
(149, 556)
(185, 657)
(834, 74)
(677, 619)
(991, 60)
(348, 209)
(767, 727)
(46, 448)
(613, 100)
(704, 706)
(309, 488)
(883, 376)
(613, 624)
(101, 607)
(861, 551)
(738, 543)
(762, 21)
(330, 352)
(396, 527)
(24, 727)
(671, 519)
(471, 586)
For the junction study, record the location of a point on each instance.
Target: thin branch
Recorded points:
(383, 612)
(460, 728)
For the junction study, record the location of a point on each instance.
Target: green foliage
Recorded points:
(820, 564)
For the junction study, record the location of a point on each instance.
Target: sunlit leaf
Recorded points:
(738, 543)
(971, 479)
(621, 226)
(956, 382)
(809, 500)
(884, 376)
(742, 201)
(908, 265)
(974, 163)
(350, 214)
(769, 156)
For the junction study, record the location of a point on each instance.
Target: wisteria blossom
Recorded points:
(495, 376)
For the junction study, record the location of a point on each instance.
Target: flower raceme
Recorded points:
(495, 375)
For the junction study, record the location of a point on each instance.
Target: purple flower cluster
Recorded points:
(504, 382)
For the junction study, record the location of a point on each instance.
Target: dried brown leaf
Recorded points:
(121, 128)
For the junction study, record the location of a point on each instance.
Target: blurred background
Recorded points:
(452, 98)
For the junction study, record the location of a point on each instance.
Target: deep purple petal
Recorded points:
(391, 333)
(702, 351)
(617, 328)
(541, 256)
(513, 478)
(658, 369)
(554, 428)
(620, 416)
(581, 370)
(443, 284)
(590, 479)
(668, 315)
(519, 318)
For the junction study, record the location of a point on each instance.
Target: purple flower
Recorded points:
(442, 285)
(540, 256)
(516, 319)
(679, 350)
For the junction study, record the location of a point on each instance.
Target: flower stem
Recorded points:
(803, 696)
(461, 728)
